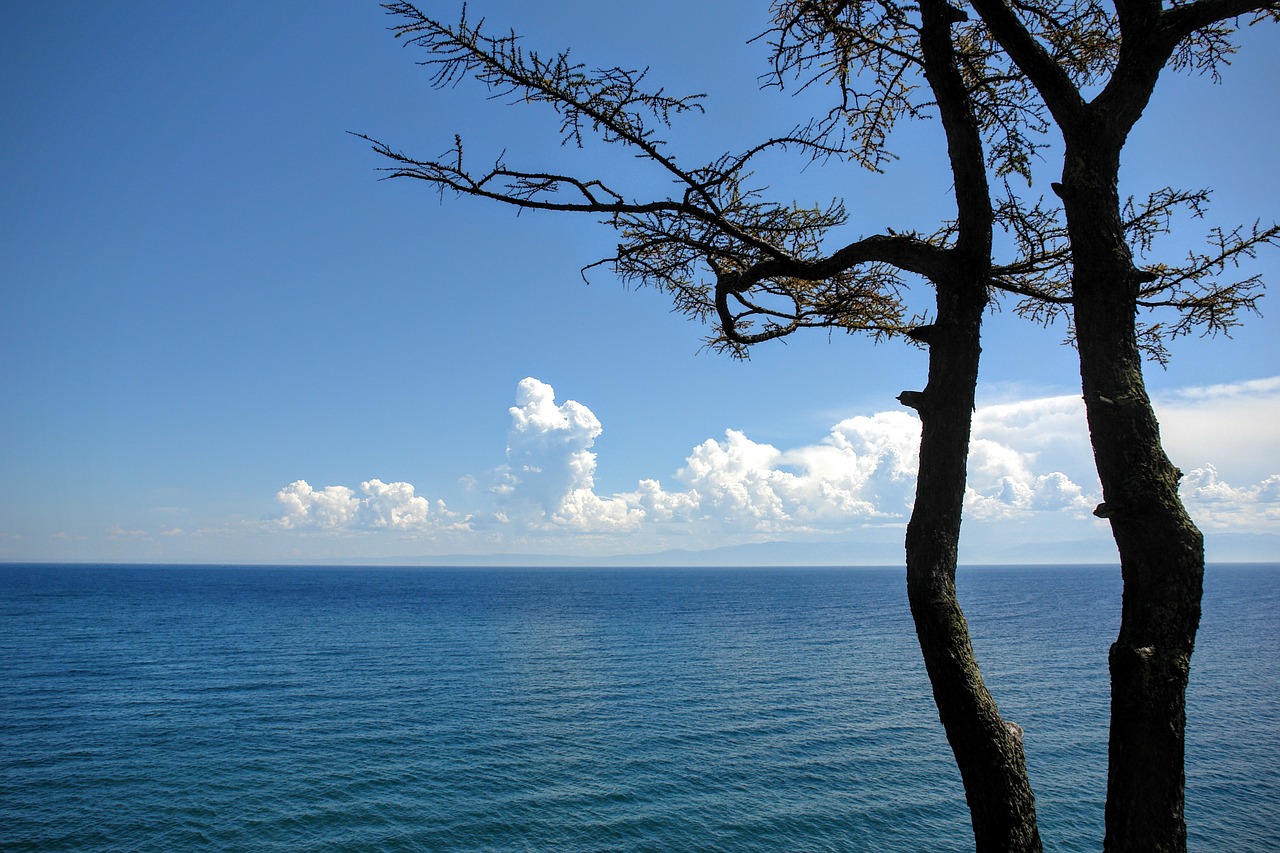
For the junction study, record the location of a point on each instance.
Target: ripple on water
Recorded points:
(279, 709)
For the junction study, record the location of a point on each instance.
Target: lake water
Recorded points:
(254, 708)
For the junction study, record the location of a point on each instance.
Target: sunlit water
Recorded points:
(244, 708)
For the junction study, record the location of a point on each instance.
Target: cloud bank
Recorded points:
(1030, 476)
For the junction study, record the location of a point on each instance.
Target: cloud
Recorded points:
(1028, 457)
(550, 472)
(737, 479)
(1048, 433)
(1013, 497)
(661, 506)
(863, 469)
(1031, 479)
(1226, 431)
(116, 533)
(1223, 435)
(1216, 505)
(1231, 426)
(866, 466)
(331, 507)
(392, 506)
(862, 472)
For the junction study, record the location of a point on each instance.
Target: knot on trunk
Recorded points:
(912, 399)
(923, 334)
(1133, 663)
(1126, 400)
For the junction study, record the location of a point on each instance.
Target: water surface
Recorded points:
(254, 708)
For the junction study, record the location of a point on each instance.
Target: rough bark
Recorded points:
(987, 749)
(1161, 550)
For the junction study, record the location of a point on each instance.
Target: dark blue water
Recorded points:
(179, 708)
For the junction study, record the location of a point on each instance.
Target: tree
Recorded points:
(759, 270)
(1061, 50)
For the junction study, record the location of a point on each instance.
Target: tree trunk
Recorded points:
(987, 749)
(1161, 551)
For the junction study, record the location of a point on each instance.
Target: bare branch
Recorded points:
(869, 51)
(610, 101)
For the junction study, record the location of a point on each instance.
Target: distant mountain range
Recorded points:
(1222, 548)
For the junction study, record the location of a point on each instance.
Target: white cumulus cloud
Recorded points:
(550, 470)
(1029, 457)
(1030, 473)
(1217, 505)
(864, 469)
(737, 479)
(383, 506)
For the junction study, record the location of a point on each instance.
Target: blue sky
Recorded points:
(223, 339)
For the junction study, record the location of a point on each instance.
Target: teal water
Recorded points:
(253, 708)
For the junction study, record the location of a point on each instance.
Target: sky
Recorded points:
(224, 340)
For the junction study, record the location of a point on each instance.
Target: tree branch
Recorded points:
(1050, 80)
(1182, 20)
